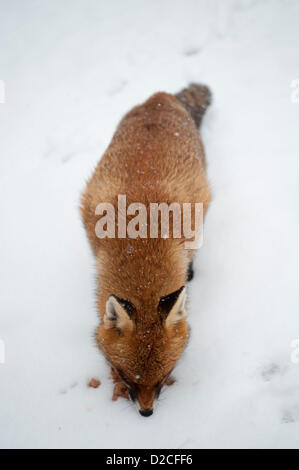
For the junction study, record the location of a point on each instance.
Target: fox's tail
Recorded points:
(196, 99)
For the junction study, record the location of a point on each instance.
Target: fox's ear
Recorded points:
(118, 313)
(172, 307)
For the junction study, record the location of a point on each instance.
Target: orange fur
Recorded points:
(156, 155)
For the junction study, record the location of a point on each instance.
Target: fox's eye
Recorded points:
(158, 389)
(130, 384)
(160, 385)
(124, 377)
(132, 394)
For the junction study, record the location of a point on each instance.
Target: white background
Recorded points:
(71, 70)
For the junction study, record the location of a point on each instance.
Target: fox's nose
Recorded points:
(146, 413)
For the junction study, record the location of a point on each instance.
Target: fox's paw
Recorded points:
(120, 390)
(169, 381)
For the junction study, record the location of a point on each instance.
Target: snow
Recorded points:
(71, 69)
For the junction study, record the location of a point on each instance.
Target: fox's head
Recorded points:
(144, 342)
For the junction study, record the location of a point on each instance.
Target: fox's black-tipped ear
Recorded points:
(118, 313)
(172, 306)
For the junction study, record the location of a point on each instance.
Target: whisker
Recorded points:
(126, 407)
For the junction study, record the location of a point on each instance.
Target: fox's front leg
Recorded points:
(170, 381)
(120, 390)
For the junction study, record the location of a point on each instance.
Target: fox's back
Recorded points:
(155, 155)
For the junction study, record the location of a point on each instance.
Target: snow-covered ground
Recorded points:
(71, 70)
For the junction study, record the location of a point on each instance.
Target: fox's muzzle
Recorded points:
(146, 413)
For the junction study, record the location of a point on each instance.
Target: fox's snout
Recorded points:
(145, 400)
(146, 413)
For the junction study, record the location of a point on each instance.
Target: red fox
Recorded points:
(156, 155)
